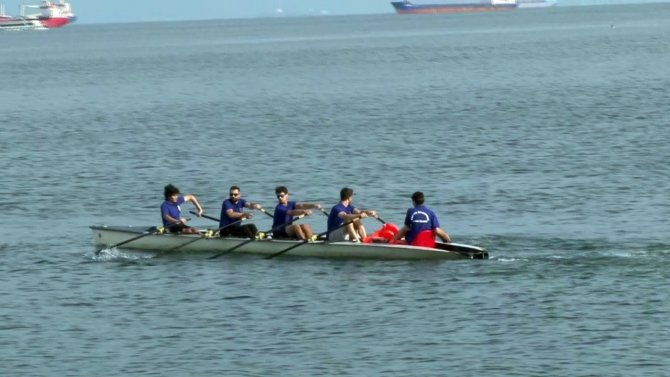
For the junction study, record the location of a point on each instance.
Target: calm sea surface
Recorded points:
(540, 135)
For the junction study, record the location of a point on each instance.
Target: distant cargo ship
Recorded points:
(466, 6)
(535, 3)
(51, 15)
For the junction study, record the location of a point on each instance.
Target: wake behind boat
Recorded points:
(105, 236)
(51, 15)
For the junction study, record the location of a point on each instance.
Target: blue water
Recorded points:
(540, 135)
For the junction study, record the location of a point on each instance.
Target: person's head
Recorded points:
(346, 193)
(282, 194)
(171, 193)
(234, 194)
(417, 198)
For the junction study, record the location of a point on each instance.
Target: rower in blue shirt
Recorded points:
(285, 213)
(171, 210)
(232, 210)
(343, 212)
(421, 224)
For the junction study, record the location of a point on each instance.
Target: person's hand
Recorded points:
(200, 211)
(183, 220)
(257, 206)
(308, 212)
(247, 215)
(363, 215)
(372, 213)
(317, 206)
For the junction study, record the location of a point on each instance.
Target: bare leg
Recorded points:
(360, 229)
(351, 232)
(295, 231)
(307, 230)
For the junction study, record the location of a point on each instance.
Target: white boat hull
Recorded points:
(107, 236)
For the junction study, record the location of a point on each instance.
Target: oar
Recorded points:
(152, 230)
(202, 237)
(147, 232)
(205, 216)
(253, 239)
(306, 241)
(376, 217)
(266, 212)
(215, 219)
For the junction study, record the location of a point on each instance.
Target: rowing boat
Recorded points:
(185, 243)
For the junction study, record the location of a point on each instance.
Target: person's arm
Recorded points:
(442, 234)
(300, 211)
(354, 216)
(367, 212)
(170, 220)
(238, 215)
(251, 205)
(401, 233)
(303, 209)
(196, 203)
(308, 206)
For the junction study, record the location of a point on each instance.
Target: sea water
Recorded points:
(540, 135)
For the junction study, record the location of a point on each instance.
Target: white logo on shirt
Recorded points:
(423, 220)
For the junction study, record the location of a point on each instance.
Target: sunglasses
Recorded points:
(279, 196)
(234, 194)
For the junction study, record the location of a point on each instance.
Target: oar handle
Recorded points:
(265, 212)
(376, 217)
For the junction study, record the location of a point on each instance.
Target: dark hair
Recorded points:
(169, 191)
(280, 189)
(417, 197)
(346, 193)
(234, 188)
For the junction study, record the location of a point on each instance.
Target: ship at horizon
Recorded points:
(52, 15)
(466, 6)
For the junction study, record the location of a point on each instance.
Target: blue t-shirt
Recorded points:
(281, 215)
(335, 221)
(171, 209)
(236, 207)
(419, 218)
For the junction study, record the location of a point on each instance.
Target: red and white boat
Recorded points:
(51, 15)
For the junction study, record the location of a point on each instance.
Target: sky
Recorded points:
(116, 11)
(106, 11)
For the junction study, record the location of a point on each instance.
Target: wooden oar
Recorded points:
(306, 241)
(202, 237)
(147, 232)
(253, 239)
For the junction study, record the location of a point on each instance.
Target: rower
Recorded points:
(421, 225)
